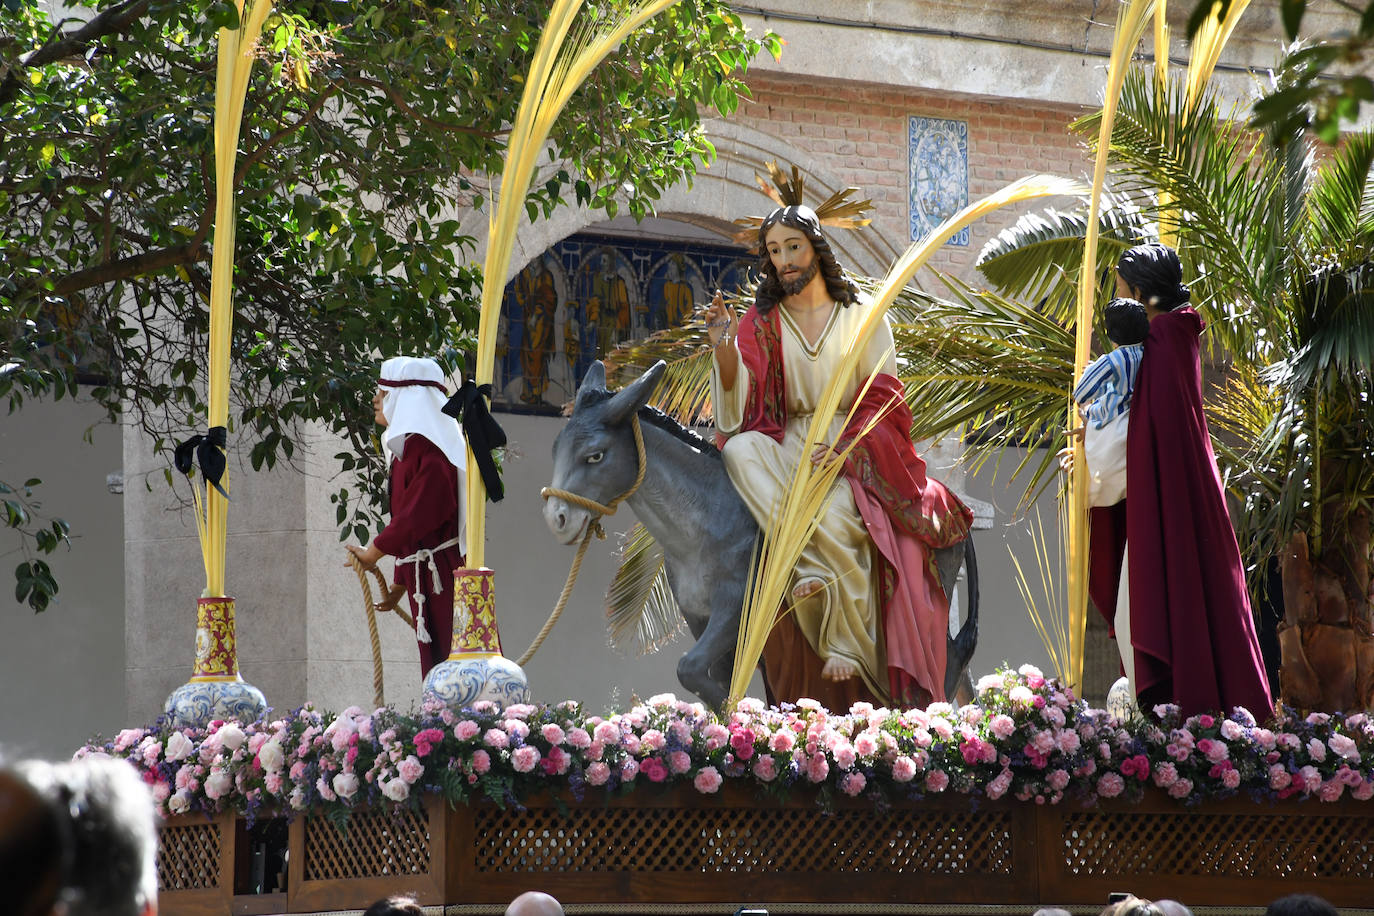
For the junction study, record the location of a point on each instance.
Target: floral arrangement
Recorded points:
(1024, 737)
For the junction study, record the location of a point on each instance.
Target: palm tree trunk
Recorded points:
(1325, 638)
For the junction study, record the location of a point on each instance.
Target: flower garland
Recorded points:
(1024, 736)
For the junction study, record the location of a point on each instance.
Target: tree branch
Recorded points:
(61, 45)
(266, 146)
(406, 107)
(124, 268)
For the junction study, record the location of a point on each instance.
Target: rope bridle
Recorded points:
(593, 528)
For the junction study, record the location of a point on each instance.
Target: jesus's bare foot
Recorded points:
(807, 587)
(838, 669)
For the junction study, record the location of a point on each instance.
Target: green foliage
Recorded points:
(370, 128)
(1323, 81)
(34, 581)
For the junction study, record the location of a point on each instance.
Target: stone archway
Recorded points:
(719, 194)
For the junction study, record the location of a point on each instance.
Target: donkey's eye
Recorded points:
(595, 457)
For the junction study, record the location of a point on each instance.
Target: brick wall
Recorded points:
(859, 133)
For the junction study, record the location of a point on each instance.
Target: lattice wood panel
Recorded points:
(743, 840)
(188, 856)
(1218, 845)
(373, 845)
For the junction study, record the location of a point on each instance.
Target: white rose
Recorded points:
(231, 736)
(180, 802)
(179, 747)
(218, 783)
(396, 790)
(345, 785)
(298, 798)
(271, 757)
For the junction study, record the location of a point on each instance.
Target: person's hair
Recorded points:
(1132, 906)
(1173, 908)
(1300, 905)
(1155, 273)
(33, 847)
(395, 905)
(109, 810)
(1051, 911)
(770, 292)
(1126, 322)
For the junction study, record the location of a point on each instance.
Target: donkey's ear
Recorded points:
(594, 380)
(635, 395)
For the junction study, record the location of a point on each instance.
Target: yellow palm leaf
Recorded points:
(1130, 26)
(559, 67)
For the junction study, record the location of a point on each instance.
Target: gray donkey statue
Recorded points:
(687, 502)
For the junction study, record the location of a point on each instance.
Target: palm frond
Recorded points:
(1040, 255)
(1341, 200)
(641, 614)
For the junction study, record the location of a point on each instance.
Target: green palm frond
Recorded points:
(1039, 256)
(1333, 320)
(1341, 201)
(986, 363)
(641, 615)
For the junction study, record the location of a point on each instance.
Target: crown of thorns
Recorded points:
(838, 210)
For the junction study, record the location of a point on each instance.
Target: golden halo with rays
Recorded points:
(837, 211)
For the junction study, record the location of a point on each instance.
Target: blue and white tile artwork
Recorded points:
(938, 178)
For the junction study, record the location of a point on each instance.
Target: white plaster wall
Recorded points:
(62, 671)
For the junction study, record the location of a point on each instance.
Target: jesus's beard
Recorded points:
(793, 287)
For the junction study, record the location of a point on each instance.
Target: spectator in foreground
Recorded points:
(534, 903)
(1173, 908)
(109, 811)
(32, 848)
(1051, 911)
(395, 905)
(1301, 905)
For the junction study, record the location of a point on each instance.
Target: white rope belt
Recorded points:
(426, 555)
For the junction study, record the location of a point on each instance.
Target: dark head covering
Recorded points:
(1154, 272)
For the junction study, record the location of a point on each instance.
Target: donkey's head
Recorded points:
(595, 456)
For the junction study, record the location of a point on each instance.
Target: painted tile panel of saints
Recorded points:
(587, 294)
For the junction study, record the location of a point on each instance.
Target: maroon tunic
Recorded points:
(1191, 626)
(425, 514)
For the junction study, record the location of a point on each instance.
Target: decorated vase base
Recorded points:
(462, 680)
(198, 703)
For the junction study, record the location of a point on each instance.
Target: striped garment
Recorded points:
(1105, 389)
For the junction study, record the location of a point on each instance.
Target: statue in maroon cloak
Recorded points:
(1191, 625)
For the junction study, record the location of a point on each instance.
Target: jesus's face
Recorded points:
(793, 257)
(377, 407)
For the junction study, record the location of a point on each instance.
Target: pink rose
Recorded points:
(606, 733)
(179, 747)
(160, 792)
(652, 740)
(1363, 792)
(410, 769)
(765, 769)
(1311, 779)
(1265, 739)
(515, 728)
(297, 770)
(1206, 721)
(852, 784)
(466, 730)
(524, 758)
(903, 769)
(496, 739)
(937, 780)
(942, 728)
(1068, 742)
(782, 742)
(1110, 785)
(1331, 790)
(707, 780)
(999, 786)
(552, 733)
(273, 782)
(398, 790)
(653, 769)
(865, 745)
(1316, 750)
(680, 762)
(1345, 747)
(1230, 778)
(153, 749)
(817, 768)
(1181, 789)
(1002, 726)
(579, 739)
(1021, 696)
(1058, 779)
(481, 761)
(629, 769)
(1231, 731)
(598, 773)
(1279, 777)
(1166, 774)
(844, 756)
(1289, 741)
(716, 736)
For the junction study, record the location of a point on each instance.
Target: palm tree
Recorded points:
(1279, 243)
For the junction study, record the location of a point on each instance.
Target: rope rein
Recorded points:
(371, 608)
(593, 528)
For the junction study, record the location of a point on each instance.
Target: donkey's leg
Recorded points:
(705, 668)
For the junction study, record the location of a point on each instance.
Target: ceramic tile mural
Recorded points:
(588, 293)
(938, 177)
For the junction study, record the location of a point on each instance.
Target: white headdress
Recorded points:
(413, 403)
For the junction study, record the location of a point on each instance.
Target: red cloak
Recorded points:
(906, 515)
(1191, 626)
(424, 513)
